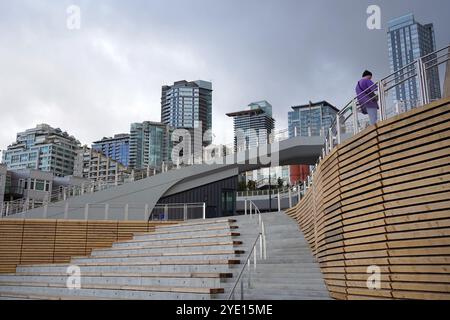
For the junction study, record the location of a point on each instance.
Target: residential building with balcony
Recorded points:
(117, 147)
(42, 148)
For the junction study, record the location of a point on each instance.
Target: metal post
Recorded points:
(185, 212)
(86, 212)
(82, 188)
(338, 128)
(204, 210)
(245, 206)
(249, 272)
(45, 214)
(106, 211)
(382, 95)
(263, 232)
(242, 290)
(355, 118)
(66, 210)
(251, 204)
(126, 212)
(279, 202)
(421, 72)
(290, 198)
(330, 137)
(146, 212)
(260, 246)
(7, 209)
(397, 107)
(166, 212)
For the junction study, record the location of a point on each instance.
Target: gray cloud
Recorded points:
(96, 81)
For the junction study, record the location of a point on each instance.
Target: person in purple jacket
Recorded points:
(368, 100)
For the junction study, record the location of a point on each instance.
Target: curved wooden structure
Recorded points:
(382, 198)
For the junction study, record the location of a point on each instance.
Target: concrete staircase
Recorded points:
(190, 261)
(290, 271)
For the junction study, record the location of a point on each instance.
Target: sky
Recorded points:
(93, 82)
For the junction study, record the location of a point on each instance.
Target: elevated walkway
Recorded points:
(150, 190)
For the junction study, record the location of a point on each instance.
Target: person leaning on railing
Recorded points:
(367, 99)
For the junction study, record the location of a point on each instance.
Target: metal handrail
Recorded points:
(263, 255)
(417, 68)
(239, 277)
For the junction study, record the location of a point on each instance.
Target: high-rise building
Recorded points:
(313, 119)
(150, 145)
(254, 124)
(95, 166)
(3, 177)
(187, 105)
(409, 40)
(43, 148)
(117, 148)
(253, 127)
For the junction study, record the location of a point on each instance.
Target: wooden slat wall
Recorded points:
(27, 241)
(383, 198)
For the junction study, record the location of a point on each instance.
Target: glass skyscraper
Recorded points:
(186, 105)
(256, 123)
(116, 148)
(150, 145)
(311, 119)
(409, 40)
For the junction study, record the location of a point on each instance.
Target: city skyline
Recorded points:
(119, 52)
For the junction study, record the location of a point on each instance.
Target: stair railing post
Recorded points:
(86, 211)
(355, 118)
(263, 234)
(185, 212)
(338, 128)
(245, 206)
(260, 247)
(204, 210)
(66, 210)
(290, 198)
(127, 207)
(106, 211)
(146, 212)
(279, 202)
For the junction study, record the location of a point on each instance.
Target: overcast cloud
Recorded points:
(95, 81)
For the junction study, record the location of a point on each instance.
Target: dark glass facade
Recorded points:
(409, 40)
